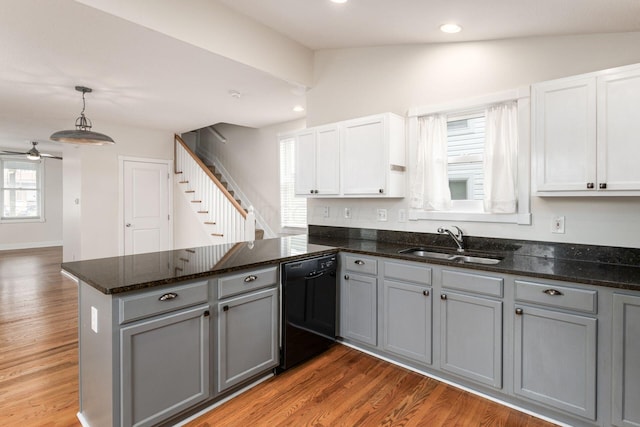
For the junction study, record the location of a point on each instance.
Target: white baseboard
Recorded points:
(29, 245)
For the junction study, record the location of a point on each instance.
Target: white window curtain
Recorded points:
(430, 181)
(501, 158)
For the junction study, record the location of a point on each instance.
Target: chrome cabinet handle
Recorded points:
(168, 296)
(589, 185)
(225, 308)
(250, 278)
(381, 191)
(425, 293)
(552, 292)
(443, 297)
(346, 277)
(519, 311)
(603, 185)
(359, 262)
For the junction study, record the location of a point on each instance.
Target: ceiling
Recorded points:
(146, 79)
(320, 24)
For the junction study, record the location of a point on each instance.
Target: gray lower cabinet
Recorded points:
(165, 365)
(359, 308)
(471, 337)
(407, 320)
(555, 359)
(626, 360)
(247, 336)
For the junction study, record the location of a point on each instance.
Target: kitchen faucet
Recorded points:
(457, 237)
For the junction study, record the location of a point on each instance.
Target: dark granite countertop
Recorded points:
(593, 265)
(132, 272)
(515, 263)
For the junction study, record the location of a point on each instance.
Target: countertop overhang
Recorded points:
(132, 272)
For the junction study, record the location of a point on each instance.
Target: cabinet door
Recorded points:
(626, 361)
(327, 161)
(165, 366)
(555, 359)
(471, 338)
(619, 130)
(359, 308)
(565, 135)
(364, 156)
(305, 154)
(247, 336)
(407, 320)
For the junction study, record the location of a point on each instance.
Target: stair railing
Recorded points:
(219, 209)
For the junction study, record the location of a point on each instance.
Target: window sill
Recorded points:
(20, 220)
(515, 218)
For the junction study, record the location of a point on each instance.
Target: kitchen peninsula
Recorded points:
(153, 348)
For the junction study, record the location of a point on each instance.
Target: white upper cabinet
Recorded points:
(585, 134)
(373, 153)
(318, 161)
(362, 157)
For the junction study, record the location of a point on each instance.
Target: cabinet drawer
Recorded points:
(557, 296)
(407, 272)
(151, 303)
(476, 283)
(246, 281)
(361, 264)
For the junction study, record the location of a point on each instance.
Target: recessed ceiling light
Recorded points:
(338, 1)
(298, 108)
(235, 94)
(450, 28)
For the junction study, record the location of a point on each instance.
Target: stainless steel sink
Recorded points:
(461, 258)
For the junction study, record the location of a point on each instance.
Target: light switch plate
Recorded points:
(325, 211)
(347, 213)
(382, 214)
(557, 225)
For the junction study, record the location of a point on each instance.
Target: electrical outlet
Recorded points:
(94, 319)
(557, 225)
(325, 211)
(382, 214)
(347, 213)
(402, 215)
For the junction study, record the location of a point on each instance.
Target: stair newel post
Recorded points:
(250, 225)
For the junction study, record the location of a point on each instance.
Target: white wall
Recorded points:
(252, 157)
(356, 82)
(92, 228)
(39, 234)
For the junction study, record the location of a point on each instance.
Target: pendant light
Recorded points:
(82, 134)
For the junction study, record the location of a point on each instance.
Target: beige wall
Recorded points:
(356, 82)
(92, 228)
(38, 234)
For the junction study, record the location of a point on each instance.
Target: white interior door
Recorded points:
(146, 207)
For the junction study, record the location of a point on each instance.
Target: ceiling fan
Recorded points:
(33, 154)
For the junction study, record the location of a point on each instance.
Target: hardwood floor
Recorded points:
(343, 387)
(38, 340)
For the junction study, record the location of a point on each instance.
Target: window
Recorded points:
(293, 210)
(21, 193)
(465, 151)
(470, 159)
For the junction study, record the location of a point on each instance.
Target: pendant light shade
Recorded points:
(82, 134)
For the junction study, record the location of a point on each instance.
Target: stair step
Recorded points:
(204, 212)
(189, 191)
(183, 259)
(196, 201)
(178, 172)
(217, 235)
(210, 223)
(191, 251)
(183, 182)
(231, 192)
(259, 234)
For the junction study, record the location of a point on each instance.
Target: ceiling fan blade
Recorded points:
(50, 156)
(11, 152)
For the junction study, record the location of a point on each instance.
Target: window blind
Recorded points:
(293, 210)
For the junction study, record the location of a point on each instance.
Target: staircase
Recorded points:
(220, 215)
(218, 176)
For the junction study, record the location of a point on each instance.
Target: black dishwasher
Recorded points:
(308, 309)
